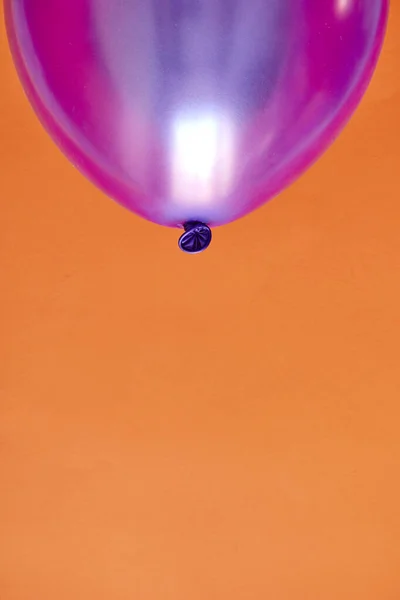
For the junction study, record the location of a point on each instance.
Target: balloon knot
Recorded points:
(196, 239)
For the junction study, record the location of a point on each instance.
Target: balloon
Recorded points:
(191, 113)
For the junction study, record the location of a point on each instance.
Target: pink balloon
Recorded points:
(192, 112)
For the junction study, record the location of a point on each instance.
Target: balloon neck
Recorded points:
(196, 239)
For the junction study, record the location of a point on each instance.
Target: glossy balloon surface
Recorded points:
(194, 110)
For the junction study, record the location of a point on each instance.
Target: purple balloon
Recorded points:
(194, 110)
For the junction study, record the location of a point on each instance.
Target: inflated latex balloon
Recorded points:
(191, 113)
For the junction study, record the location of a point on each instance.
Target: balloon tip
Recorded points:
(196, 239)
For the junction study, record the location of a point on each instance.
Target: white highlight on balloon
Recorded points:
(202, 158)
(344, 7)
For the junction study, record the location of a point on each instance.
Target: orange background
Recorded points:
(215, 427)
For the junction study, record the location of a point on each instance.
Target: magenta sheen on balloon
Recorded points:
(192, 112)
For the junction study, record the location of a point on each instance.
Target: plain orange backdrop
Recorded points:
(216, 427)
